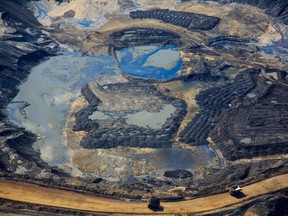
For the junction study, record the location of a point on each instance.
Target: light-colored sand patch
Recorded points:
(270, 35)
(87, 12)
(212, 9)
(84, 9)
(150, 4)
(2, 26)
(125, 102)
(273, 75)
(178, 189)
(187, 94)
(240, 20)
(251, 95)
(72, 200)
(246, 140)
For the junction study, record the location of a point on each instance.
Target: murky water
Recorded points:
(143, 118)
(150, 62)
(153, 120)
(51, 86)
(97, 115)
(177, 158)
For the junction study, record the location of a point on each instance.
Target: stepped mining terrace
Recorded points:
(174, 99)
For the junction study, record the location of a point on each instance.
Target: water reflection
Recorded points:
(53, 84)
(153, 120)
(50, 88)
(178, 158)
(150, 62)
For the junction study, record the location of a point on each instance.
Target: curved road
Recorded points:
(73, 200)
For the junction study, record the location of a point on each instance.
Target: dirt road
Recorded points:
(72, 200)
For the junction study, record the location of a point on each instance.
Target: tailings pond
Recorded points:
(51, 86)
(44, 100)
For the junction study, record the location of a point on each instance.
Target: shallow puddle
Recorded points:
(178, 158)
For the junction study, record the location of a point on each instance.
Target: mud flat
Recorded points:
(103, 125)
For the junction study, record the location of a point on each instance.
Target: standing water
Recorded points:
(51, 86)
(151, 62)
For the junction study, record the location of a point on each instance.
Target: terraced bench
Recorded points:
(191, 21)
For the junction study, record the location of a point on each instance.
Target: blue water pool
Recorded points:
(151, 62)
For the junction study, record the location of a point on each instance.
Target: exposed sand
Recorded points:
(72, 200)
(240, 20)
(188, 95)
(86, 12)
